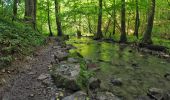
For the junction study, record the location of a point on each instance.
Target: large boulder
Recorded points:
(65, 75)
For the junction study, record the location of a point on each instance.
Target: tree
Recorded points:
(137, 20)
(99, 34)
(30, 12)
(147, 34)
(114, 17)
(15, 8)
(58, 22)
(123, 37)
(49, 22)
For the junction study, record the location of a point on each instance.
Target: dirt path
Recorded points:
(30, 79)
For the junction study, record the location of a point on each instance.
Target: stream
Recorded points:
(137, 71)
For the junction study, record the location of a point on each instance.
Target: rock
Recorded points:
(106, 96)
(47, 82)
(166, 96)
(116, 82)
(94, 83)
(72, 60)
(143, 98)
(43, 77)
(80, 95)
(31, 73)
(66, 75)
(61, 56)
(31, 95)
(167, 76)
(155, 93)
(93, 66)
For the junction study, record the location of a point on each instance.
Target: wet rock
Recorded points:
(72, 60)
(106, 96)
(166, 96)
(66, 75)
(117, 81)
(43, 77)
(167, 76)
(80, 95)
(94, 83)
(155, 93)
(61, 56)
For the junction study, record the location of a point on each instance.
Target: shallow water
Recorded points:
(138, 71)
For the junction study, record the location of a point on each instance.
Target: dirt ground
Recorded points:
(29, 79)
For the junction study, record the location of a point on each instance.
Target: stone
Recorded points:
(106, 96)
(167, 76)
(47, 82)
(65, 75)
(155, 93)
(80, 95)
(61, 56)
(72, 60)
(143, 98)
(43, 77)
(94, 83)
(117, 82)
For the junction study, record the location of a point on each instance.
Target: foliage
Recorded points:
(84, 76)
(16, 39)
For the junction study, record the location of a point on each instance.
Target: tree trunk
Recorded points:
(137, 20)
(49, 22)
(58, 23)
(30, 12)
(147, 34)
(114, 18)
(89, 24)
(123, 37)
(99, 34)
(15, 8)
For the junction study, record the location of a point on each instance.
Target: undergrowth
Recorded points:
(16, 40)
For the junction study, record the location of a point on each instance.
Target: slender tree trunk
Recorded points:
(137, 20)
(114, 18)
(147, 34)
(15, 8)
(2, 4)
(123, 37)
(49, 22)
(99, 34)
(58, 22)
(30, 12)
(89, 24)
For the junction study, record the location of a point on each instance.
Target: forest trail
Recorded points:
(30, 79)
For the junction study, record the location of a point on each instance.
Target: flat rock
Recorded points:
(80, 95)
(43, 76)
(106, 96)
(72, 60)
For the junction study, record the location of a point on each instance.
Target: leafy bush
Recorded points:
(16, 39)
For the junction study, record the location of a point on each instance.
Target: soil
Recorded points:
(20, 80)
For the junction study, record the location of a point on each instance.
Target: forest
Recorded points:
(84, 50)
